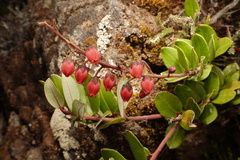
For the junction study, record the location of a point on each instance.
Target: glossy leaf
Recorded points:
(223, 45)
(177, 138)
(212, 48)
(208, 33)
(191, 104)
(209, 114)
(183, 92)
(53, 95)
(219, 73)
(122, 105)
(184, 62)
(107, 154)
(116, 120)
(212, 83)
(200, 46)
(70, 90)
(78, 108)
(191, 7)
(194, 59)
(232, 85)
(196, 87)
(224, 96)
(137, 148)
(168, 105)
(57, 80)
(206, 71)
(187, 119)
(186, 47)
(108, 100)
(170, 58)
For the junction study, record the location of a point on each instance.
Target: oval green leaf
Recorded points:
(168, 105)
(224, 96)
(53, 95)
(137, 148)
(183, 61)
(170, 58)
(223, 45)
(177, 138)
(208, 33)
(209, 114)
(212, 83)
(200, 46)
(191, 104)
(196, 87)
(191, 7)
(107, 154)
(70, 90)
(187, 119)
(232, 85)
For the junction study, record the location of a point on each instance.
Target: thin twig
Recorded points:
(164, 141)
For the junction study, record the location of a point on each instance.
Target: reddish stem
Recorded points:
(164, 141)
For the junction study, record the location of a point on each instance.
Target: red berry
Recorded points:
(109, 81)
(93, 55)
(147, 84)
(67, 67)
(81, 74)
(93, 86)
(136, 69)
(126, 92)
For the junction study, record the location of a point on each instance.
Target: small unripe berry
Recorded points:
(67, 67)
(93, 86)
(93, 55)
(109, 81)
(81, 74)
(147, 84)
(126, 92)
(136, 69)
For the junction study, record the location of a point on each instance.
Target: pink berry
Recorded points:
(171, 69)
(136, 69)
(93, 55)
(93, 86)
(147, 84)
(109, 81)
(81, 74)
(67, 67)
(126, 92)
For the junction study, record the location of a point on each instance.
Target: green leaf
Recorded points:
(187, 119)
(170, 58)
(212, 83)
(114, 121)
(84, 99)
(107, 154)
(231, 72)
(137, 148)
(194, 59)
(206, 71)
(78, 108)
(185, 45)
(212, 48)
(95, 103)
(191, 104)
(57, 80)
(183, 92)
(208, 33)
(168, 105)
(196, 87)
(183, 60)
(108, 100)
(209, 114)
(224, 96)
(177, 138)
(191, 7)
(205, 101)
(219, 73)
(53, 95)
(200, 46)
(236, 100)
(224, 44)
(232, 85)
(122, 105)
(70, 90)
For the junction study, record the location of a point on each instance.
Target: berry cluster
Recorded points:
(109, 81)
